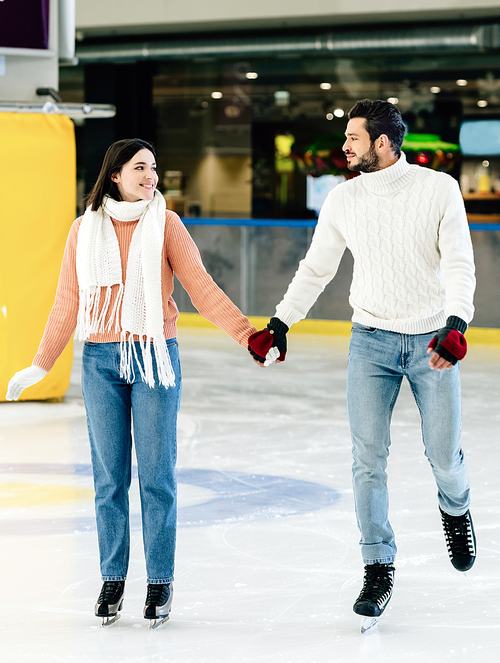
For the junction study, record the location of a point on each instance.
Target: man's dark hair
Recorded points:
(381, 117)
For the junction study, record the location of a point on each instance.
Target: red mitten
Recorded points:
(449, 342)
(259, 344)
(274, 335)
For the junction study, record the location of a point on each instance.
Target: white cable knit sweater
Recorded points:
(407, 230)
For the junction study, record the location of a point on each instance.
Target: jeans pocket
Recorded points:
(364, 329)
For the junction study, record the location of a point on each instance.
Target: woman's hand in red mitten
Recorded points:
(269, 345)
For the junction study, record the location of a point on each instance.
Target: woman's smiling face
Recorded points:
(138, 178)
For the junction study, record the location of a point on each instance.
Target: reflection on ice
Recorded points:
(229, 497)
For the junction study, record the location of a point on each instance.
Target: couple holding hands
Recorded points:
(412, 297)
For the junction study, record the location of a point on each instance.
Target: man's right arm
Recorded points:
(315, 271)
(318, 267)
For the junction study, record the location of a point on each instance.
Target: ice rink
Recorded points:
(268, 563)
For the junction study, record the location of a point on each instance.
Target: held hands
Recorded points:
(449, 344)
(24, 379)
(269, 344)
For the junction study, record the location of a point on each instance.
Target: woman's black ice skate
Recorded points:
(110, 601)
(375, 595)
(158, 604)
(460, 539)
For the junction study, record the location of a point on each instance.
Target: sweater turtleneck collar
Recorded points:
(388, 179)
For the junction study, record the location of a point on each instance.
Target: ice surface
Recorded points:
(268, 563)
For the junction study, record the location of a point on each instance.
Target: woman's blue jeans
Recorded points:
(115, 409)
(378, 361)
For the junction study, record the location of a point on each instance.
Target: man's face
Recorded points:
(359, 150)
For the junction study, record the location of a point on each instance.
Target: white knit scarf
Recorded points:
(98, 267)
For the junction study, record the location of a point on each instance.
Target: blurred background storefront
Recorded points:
(247, 113)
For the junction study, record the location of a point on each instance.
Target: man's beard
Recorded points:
(368, 163)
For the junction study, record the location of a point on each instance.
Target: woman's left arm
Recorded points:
(205, 294)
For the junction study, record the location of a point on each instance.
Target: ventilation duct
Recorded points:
(402, 40)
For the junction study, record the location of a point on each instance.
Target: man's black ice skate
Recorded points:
(460, 539)
(110, 601)
(158, 604)
(375, 595)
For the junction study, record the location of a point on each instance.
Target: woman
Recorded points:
(115, 289)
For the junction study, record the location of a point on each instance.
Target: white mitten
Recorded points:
(23, 379)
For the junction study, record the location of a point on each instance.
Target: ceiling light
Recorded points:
(252, 75)
(462, 82)
(393, 100)
(325, 86)
(338, 112)
(435, 89)
(329, 116)
(482, 103)
(216, 95)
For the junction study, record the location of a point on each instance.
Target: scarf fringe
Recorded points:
(128, 352)
(114, 313)
(90, 320)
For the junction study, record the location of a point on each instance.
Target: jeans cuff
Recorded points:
(160, 581)
(379, 560)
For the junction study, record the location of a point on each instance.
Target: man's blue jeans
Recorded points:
(378, 360)
(114, 409)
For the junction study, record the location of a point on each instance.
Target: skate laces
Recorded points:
(458, 534)
(110, 591)
(378, 582)
(157, 594)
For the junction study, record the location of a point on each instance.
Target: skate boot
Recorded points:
(375, 595)
(158, 604)
(110, 601)
(460, 539)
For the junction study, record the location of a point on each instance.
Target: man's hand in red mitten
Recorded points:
(448, 345)
(269, 344)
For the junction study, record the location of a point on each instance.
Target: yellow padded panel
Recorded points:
(37, 208)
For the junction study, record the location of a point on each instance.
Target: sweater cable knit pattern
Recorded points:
(407, 230)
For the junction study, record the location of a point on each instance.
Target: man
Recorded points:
(411, 292)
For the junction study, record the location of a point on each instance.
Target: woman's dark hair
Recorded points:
(117, 155)
(381, 117)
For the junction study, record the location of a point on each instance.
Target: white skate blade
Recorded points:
(107, 621)
(368, 623)
(156, 623)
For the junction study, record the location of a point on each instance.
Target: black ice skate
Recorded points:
(158, 604)
(460, 539)
(110, 601)
(375, 595)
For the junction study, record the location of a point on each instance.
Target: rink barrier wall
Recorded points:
(254, 260)
(474, 335)
(295, 223)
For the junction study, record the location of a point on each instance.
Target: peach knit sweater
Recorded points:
(180, 255)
